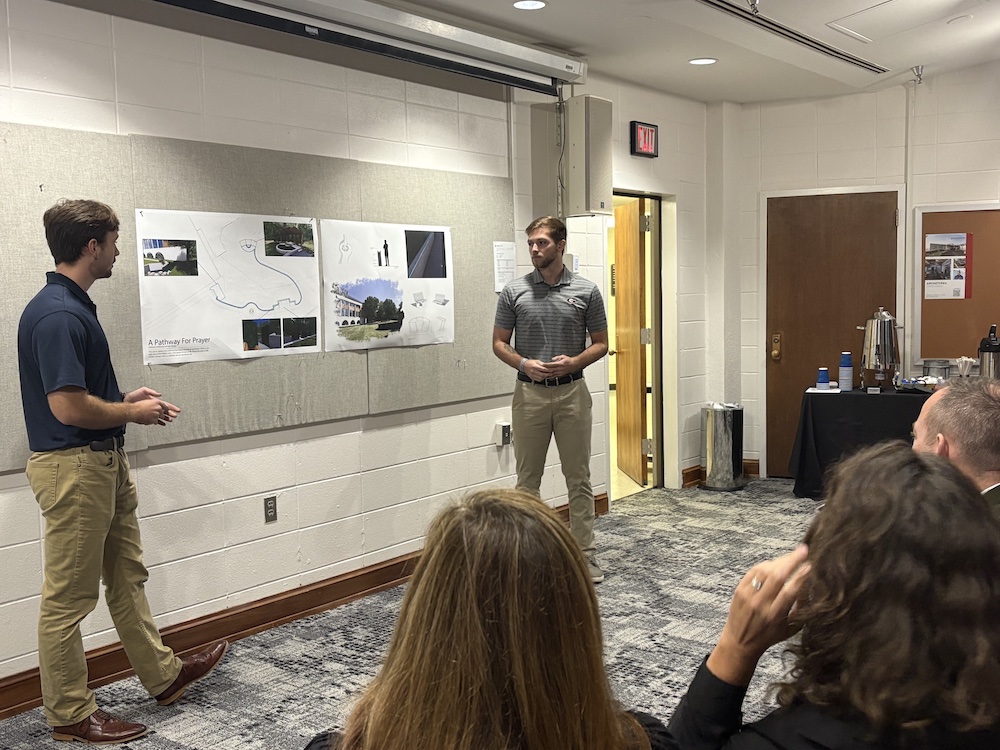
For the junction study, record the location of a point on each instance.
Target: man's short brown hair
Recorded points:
(71, 224)
(553, 227)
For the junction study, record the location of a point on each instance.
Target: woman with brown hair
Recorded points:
(897, 595)
(498, 644)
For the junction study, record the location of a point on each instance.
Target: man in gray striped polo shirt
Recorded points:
(553, 310)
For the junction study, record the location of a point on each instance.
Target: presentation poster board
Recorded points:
(387, 285)
(955, 316)
(226, 286)
(253, 394)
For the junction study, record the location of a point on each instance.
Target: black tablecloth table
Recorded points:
(833, 425)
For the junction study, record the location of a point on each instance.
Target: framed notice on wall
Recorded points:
(947, 266)
(952, 314)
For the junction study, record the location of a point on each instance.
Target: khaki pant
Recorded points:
(537, 414)
(88, 501)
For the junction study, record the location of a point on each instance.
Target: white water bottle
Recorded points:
(846, 379)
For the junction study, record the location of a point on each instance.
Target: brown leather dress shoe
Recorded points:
(100, 729)
(193, 668)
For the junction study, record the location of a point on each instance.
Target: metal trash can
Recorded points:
(722, 452)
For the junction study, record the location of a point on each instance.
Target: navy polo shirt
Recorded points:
(61, 343)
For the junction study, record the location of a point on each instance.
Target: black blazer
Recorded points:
(992, 496)
(709, 717)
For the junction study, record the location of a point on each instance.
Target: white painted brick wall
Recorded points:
(355, 493)
(68, 67)
(860, 140)
(349, 494)
(679, 173)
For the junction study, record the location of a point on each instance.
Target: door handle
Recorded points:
(776, 347)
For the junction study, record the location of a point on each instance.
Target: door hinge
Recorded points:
(897, 218)
(644, 223)
(645, 335)
(647, 446)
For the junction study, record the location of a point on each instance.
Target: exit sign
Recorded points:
(644, 139)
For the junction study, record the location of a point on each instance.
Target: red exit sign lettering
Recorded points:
(644, 139)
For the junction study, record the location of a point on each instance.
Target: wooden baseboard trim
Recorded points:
(692, 476)
(23, 691)
(695, 475)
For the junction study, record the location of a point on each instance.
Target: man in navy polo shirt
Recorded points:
(553, 310)
(75, 416)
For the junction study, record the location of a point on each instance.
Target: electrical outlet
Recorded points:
(270, 509)
(502, 434)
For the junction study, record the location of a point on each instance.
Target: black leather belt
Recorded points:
(108, 444)
(550, 382)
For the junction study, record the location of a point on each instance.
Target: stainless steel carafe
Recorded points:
(989, 355)
(880, 353)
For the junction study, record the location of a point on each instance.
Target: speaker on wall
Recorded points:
(588, 156)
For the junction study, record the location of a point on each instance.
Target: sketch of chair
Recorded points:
(440, 299)
(418, 299)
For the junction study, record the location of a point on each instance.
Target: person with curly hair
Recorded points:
(498, 644)
(896, 594)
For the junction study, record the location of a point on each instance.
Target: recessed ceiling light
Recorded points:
(703, 61)
(529, 4)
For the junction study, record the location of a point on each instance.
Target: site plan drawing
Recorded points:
(386, 285)
(226, 286)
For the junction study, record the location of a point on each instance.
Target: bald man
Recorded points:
(961, 422)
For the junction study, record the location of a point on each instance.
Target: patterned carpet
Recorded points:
(672, 557)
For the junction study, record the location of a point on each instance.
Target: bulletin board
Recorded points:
(234, 397)
(951, 328)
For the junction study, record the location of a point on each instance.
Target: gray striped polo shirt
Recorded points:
(550, 320)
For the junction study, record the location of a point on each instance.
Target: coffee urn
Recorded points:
(880, 353)
(989, 355)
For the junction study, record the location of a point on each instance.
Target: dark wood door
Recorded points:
(630, 360)
(831, 262)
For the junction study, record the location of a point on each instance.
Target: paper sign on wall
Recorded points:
(504, 264)
(948, 266)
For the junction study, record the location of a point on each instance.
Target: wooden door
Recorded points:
(630, 318)
(831, 262)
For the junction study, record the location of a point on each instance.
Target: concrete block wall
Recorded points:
(678, 176)
(841, 142)
(956, 137)
(942, 142)
(351, 493)
(74, 68)
(360, 491)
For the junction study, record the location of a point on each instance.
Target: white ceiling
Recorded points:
(649, 42)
